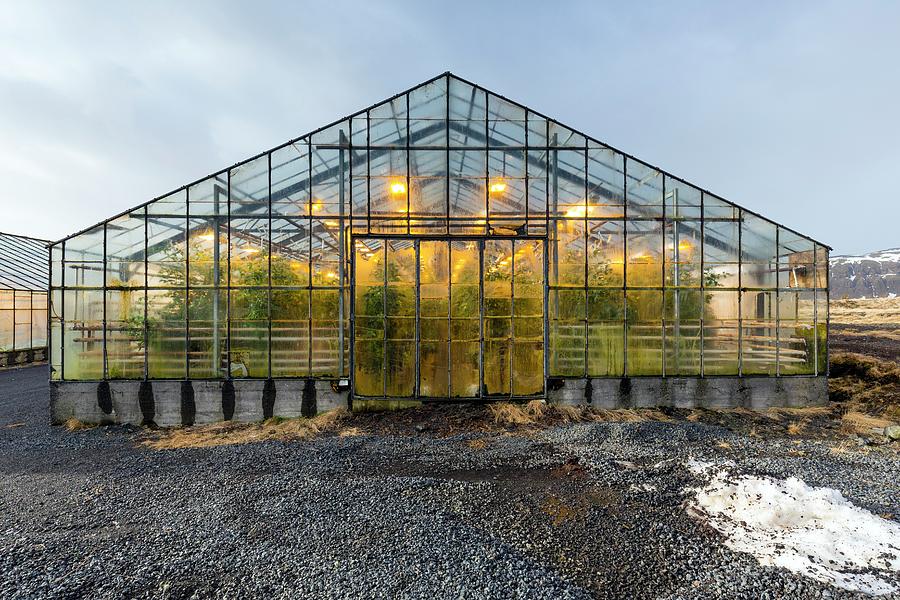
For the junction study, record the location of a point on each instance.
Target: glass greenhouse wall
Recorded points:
(446, 243)
(23, 300)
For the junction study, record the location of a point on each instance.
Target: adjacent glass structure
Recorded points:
(23, 299)
(446, 243)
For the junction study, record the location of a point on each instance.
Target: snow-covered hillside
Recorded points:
(873, 275)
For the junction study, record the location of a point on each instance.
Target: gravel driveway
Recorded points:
(584, 511)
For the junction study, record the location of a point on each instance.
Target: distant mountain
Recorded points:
(873, 275)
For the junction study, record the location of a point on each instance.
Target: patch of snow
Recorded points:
(643, 487)
(814, 532)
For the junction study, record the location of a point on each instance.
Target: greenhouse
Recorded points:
(23, 300)
(445, 244)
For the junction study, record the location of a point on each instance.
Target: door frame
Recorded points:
(417, 239)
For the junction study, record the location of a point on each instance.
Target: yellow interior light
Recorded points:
(684, 245)
(331, 224)
(331, 275)
(398, 187)
(498, 187)
(315, 206)
(250, 250)
(208, 236)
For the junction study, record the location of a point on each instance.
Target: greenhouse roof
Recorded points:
(460, 112)
(23, 263)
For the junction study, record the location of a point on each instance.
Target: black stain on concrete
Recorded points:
(228, 399)
(188, 405)
(104, 397)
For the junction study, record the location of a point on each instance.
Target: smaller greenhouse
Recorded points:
(446, 244)
(23, 300)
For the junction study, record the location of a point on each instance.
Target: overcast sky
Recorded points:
(790, 110)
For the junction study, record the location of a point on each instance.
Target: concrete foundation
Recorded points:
(170, 403)
(693, 392)
(17, 358)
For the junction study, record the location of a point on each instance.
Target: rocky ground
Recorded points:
(443, 502)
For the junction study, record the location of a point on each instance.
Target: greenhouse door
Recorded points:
(439, 318)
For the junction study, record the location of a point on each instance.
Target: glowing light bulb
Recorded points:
(398, 187)
(315, 206)
(209, 236)
(332, 224)
(498, 187)
(331, 275)
(250, 250)
(684, 245)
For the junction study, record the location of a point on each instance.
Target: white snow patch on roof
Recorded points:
(814, 532)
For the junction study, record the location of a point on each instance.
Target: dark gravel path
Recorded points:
(590, 510)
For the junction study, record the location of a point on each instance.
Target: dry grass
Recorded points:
(350, 432)
(224, 434)
(539, 413)
(865, 311)
(477, 444)
(73, 424)
(861, 423)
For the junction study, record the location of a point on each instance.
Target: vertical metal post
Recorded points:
(510, 340)
(62, 314)
(147, 292)
(815, 316)
(676, 280)
(481, 317)
(341, 198)
(702, 277)
(418, 333)
(216, 358)
(228, 287)
(584, 235)
(827, 309)
(104, 363)
(553, 200)
(269, 253)
(384, 324)
(740, 347)
(309, 249)
(625, 266)
(663, 273)
(778, 303)
(449, 265)
(187, 286)
(447, 166)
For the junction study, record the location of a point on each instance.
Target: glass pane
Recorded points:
(83, 342)
(210, 196)
(465, 327)
(759, 333)
(645, 253)
(166, 343)
(606, 250)
(683, 311)
(207, 310)
(644, 190)
(606, 332)
(125, 334)
(644, 332)
(290, 180)
(290, 333)
(606, 181)
(720, 333)
(125, 250)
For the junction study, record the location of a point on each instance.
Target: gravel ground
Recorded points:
(584, 511)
